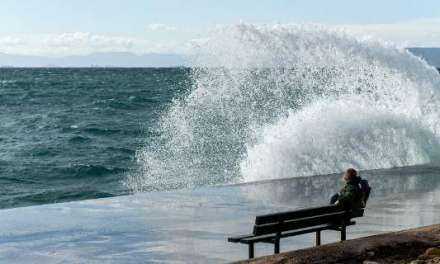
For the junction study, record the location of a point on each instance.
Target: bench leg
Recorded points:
(276, 249)
(251, 250)
(318, 238)
(343, 233)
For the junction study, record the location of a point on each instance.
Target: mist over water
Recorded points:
(282, 101)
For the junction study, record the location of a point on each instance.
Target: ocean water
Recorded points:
(259, 103)
(70, 134)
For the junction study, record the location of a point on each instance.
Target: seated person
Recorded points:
(351, 196)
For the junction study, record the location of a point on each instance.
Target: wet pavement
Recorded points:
(192, 226)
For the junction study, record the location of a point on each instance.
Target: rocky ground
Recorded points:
(415, 246)
(430, 256)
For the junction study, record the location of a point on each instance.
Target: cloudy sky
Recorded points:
(67, 27)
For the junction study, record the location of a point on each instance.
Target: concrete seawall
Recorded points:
(188, 226)
(418, 245)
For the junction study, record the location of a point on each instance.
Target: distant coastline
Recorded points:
(94, 60)
(430, 54)
(150, 60)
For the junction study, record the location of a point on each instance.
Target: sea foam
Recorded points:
(293, 100)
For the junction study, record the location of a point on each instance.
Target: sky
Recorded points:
(69, 27)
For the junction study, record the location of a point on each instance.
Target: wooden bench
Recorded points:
(271, 228)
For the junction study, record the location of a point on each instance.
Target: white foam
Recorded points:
(289, 100)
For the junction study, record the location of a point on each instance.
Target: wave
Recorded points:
(56, 196)
(81, 171)
(293, 100)
(328, 137)
(79, 139)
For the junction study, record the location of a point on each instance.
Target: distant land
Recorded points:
(431, 55)
(127, 59)
(105, 59)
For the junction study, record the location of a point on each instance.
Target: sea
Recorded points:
(72, 134)
(258, 103)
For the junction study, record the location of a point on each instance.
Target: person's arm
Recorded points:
(334, 198)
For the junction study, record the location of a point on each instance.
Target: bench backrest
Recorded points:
(292, 220)
(285, 216)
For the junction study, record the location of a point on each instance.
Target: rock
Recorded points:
(432, 252)
(396, 247)
(435, 260)
(417, 261)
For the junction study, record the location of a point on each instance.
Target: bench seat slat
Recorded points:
(338, 228)
(239, 238)
(268, 238)
(285, 234)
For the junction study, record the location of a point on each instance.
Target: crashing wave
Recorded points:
(288, 100)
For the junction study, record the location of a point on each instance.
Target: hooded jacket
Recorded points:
(350, 197)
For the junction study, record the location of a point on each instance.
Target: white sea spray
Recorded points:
(293, 100)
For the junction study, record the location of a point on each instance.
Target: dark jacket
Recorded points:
(350, 197)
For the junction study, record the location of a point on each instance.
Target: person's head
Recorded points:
(350, 175)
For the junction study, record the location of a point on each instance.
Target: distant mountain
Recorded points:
(107, 59)
(431, 55)
(127, 59)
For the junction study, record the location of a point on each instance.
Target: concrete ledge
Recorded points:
(384, 248)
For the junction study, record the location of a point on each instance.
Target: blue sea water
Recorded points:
(70, 134)
(257, 104)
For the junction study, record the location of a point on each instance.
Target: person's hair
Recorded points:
(350, 174)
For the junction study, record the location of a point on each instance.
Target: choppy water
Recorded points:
(69, 134)
(259, 103)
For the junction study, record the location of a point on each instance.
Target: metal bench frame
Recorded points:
(272, 227)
